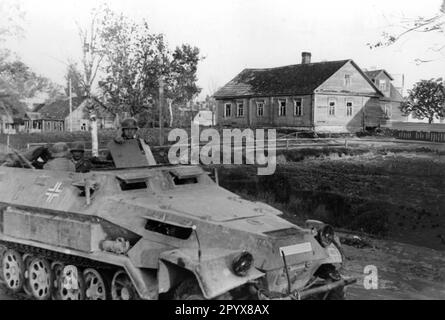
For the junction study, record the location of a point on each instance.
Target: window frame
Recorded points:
(280, 109)
(332, 100)
(258, 103)
(347, 80)
(347, 108)
(300, 113)
(227, 104)
(382, 82)
(387, 110)
(238, 104)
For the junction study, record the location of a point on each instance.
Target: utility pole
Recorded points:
(161, 101)
(71, 105)
(94, 137)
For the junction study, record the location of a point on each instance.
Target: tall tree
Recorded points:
(135, 59)
(77, 82)
(92, 53)
(17, 79)
(181, 82)
(426, 100)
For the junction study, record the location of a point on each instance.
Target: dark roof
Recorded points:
(287, 80)
(33, 115)
(374, 73)
(59, 109)
(37, 107)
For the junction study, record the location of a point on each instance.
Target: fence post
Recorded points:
(7, 143)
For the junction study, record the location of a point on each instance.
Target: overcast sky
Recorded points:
(238, 34)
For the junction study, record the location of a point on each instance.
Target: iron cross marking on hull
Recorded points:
(53, 192)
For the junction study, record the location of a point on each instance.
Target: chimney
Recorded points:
(305, 57)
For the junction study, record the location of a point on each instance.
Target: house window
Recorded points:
(227, 110)
(347, 80)
(388, 110)
(282, 108)
(349, 108)
(382, 85)
(83, 127)
(298, 107)
(240, 109)
(331, 109)
(260, 108)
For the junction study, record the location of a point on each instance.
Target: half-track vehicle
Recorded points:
(155, 232)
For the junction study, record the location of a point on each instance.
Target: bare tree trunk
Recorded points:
(170, 108)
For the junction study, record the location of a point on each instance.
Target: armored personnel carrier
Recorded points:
(155, 232)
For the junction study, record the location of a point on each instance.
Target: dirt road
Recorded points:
(404, 271)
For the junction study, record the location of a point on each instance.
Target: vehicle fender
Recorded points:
(212, 270)
(334, 255)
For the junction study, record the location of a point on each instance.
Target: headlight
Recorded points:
(325, 235)
(242, 263)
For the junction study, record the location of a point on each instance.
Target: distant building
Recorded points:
(331, 96)
(35, 123)
(204, 118)
(10, 119)
(7, 124)
(392, 99)
(56, 116)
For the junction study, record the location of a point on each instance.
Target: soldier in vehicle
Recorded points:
(128, 148)
(129, 128)
(78, 155)
(35, 157)
(61, 159)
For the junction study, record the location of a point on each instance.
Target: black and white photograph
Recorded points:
(244, 151)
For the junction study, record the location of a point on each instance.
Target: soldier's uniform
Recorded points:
(127, 149)
(60, 158)
(81, 163)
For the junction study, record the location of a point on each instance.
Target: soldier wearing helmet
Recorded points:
(128, 148)
(129, 128)
(78, 156)
(60, 161)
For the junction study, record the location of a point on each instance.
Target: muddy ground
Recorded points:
(404, 271)
(394, 197)
(398, 196)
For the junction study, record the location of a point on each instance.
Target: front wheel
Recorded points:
(189, 290)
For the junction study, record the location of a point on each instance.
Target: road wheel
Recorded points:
(189, 290)
(97, 285)
(70, 285)
(122, 288)
(57, 268)
(40, 279)
(13, 270)
(26, 257)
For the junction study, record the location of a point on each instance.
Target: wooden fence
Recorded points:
(434, 132)
(420, 135)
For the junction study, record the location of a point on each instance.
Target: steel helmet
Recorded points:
(59, 150)
(78, 146)
(129, 124)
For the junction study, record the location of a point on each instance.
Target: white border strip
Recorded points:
(296, 248)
